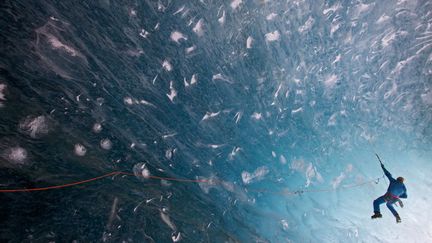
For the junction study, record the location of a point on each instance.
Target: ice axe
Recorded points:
(378, 158)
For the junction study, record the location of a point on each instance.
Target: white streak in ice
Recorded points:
(177, 36)
(173, 92)
(235, 4)
(198, 29)
(167, 65)
(249, 42)
(2, 93)
(272, 36)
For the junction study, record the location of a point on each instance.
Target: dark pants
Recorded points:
(381, 200)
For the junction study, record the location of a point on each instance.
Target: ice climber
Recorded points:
(395, 191)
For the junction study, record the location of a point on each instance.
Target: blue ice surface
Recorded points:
(279, 106)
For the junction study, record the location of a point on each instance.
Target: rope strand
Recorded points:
(299, 192)
(283, 192)
(59, 186)
(95, 179)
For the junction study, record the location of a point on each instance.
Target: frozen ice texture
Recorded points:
(251, 121)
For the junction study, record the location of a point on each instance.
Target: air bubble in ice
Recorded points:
(80, 150)
(15, 155)
(35, 126)
(97, 128)
(140, 170)
(106, 144)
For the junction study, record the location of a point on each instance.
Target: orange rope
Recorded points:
(283, 192)
(93, 179)
(287, 192)
(58, 186)
(164, 178)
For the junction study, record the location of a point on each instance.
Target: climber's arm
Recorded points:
(389, 176)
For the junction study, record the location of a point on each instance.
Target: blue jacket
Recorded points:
(396, 188)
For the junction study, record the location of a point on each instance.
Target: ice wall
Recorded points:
(242, 121)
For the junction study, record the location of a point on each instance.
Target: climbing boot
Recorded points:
(376, 215)
(398, 219)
